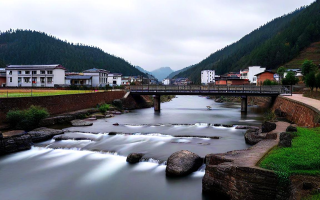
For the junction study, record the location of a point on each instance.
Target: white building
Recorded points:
(166, 81)
(244, 74)
(114, 79)
(253, 70)
(207, 76)
(99, 76)
(35, 75)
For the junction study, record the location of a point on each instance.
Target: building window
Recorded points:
(49, 72)
(19, 72)
(10, 79)
(34, 72)
(42, 80)
(26, 80)
(27, 72)
(49, 79)
(10, 72)
(114, 77)
(19, 79)
(43, 72)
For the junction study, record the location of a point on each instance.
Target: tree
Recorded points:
(310, 80)
(290, 79)
(308, 67)
(281, 70)
(269, 82)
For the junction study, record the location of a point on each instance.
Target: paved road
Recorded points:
(312, 102)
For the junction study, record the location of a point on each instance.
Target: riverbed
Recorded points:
(95, 166)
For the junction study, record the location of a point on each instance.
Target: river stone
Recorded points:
(98, 116)
(79, 122)
(43, 134)
(252, 136)
(291, 129)
(268, 127)
(182, 163)
(15, 143)
(109, 116)
(134, 158)
(285, 139)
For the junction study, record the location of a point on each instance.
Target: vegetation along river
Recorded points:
(94, 165)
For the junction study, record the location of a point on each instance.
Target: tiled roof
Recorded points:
(79, 77)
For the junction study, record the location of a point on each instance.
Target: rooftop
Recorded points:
(53, 66)
(79, 77)
(95, 70)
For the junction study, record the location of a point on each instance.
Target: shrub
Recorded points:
(26, 119)
(269, 116)
(269, 82)
(103, 108)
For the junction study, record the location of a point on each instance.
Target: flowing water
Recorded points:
(91, 164)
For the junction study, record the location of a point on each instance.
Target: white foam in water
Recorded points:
(33, 152)
(202, 124)
(104, 170)
(145, 166)
(134, 126)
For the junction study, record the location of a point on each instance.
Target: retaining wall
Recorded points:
(297, 112)
(59, 104)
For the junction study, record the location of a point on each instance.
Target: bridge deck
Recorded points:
(237, 90)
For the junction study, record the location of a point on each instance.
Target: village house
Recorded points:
(231, 81)
(267, 75)
(99, 77)
(253, 70)
(35, 75)
(79, 80)
(166, 81)
(114, 79)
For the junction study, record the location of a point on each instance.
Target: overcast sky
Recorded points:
(148, 33)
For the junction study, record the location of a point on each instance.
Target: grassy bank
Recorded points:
(39, 92)
(301, 158)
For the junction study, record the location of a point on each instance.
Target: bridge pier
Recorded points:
(244, 104)
(156, 103)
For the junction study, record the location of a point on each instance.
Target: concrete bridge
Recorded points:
(233, 90)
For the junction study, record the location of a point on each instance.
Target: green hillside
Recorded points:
(270, 46)
(32, 47)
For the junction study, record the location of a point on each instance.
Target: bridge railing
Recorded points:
(270, 89)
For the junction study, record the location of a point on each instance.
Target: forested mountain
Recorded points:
(161, 73)
(270, 46)
(32, 47)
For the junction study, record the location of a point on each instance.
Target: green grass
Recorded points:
(37, 93)
(302, 158)
(313, 197)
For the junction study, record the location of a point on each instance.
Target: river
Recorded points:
(95, 167)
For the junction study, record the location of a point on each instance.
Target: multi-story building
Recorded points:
(114, 79)
(207, 76)
(166, 81)
(244, 74)
(253, 70)
(99, 77)
(35, 75)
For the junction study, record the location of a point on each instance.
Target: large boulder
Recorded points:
(252, 136)
(134, 157)
(79, 122)
(268, 127)
(43, 134)
(285, 139)
(291, 129)
(15, 143)
(182, 163)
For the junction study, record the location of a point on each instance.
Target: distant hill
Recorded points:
(170, 76)
(32, 47)
(272, 45)
(312, 52)
(142, 70)
(162, 73)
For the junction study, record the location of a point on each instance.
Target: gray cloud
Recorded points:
(151, 34)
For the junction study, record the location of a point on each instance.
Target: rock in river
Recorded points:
(182, 163)
(134, 157)
(268, 127)
(43, 134)
(79, 122)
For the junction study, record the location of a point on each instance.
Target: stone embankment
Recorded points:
(235, 175)
(297, 112)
